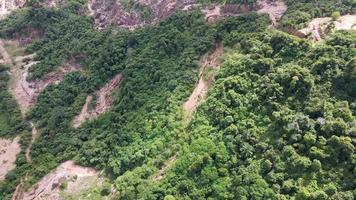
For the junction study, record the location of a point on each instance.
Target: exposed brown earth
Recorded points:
(113, 12)
(209, 60)
(8, 151)
(25, 91)
(319, 27)
(103, 102)
(6, 6)
(274, 8)
(108, 13)
(78, 178)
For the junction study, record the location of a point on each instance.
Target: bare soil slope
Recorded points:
(8, 151)
(209, 60)
(78, 178)
(6, 6)
(108, 12)
(319, 27)
(103, 102)
(274, 8)
(26, 92)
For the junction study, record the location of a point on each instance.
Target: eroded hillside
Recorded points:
(213, 102)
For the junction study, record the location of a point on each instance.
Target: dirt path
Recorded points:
(78, 178)
(8, 151)
(168, 164)
(28, 150)
(317, 28)
(103, 102)
(209, 60)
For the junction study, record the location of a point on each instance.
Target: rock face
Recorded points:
(6, 6)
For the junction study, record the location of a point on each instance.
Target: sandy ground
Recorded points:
(209, 60)
(317, 26)
(79, 178)
(8, 151)
(28, 150)
(103, 102)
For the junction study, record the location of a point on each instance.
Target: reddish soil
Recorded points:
(8, 151)
(79, 178)
(209, 60)
(103, 102)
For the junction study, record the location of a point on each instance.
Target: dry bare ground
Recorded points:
(274, 8)
(6, 6)
(26, 92)
(317, 28)
(106, 12)
(78, 178)
(209, 60)
(103, 102)
(8, 151)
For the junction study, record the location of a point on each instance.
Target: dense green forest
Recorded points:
(278, 123)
